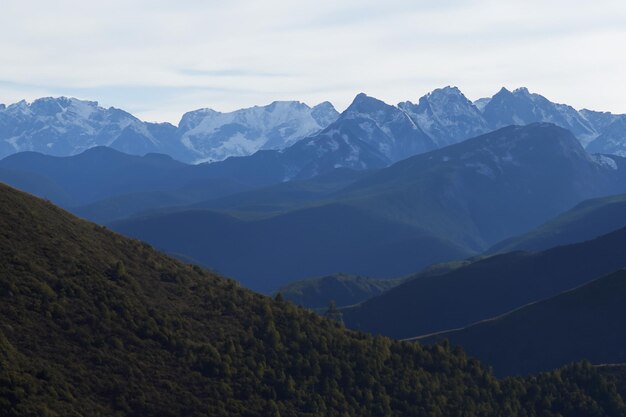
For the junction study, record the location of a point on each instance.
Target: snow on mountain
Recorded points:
(599, 120)
(324, 113)
(214, 136)
(331, 149)
(481, 103)
(520, 107)
(385, 128)
(605, 161)
(369, 134)
(612, 140)
(67, 126)
(444, 117)
(447, 116)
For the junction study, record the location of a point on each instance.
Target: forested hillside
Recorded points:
(92, 323)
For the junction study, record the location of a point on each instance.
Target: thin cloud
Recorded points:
(161, 59)
(232, 72)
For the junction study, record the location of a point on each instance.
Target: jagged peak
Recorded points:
(324, 113)
(521, 91)
(364, 103)
(360, 97)
(279, 104)
(22, 104)
(50, 106)
(203, 112)
(207, 111)
(503, 91)
(65, 101)
(445, 93)
(326, 105)
(454, 90)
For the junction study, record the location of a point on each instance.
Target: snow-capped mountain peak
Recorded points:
(213, 136)
(324, 113)
(446, 115)
(66, 126)
(384, 128)
(521, 107)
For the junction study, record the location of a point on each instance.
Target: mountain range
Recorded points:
(369, 134)
(67, 126)
(439, 206)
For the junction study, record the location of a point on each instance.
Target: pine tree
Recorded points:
(333, 313)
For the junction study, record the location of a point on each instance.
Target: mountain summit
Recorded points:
(521, 107)
(65, 126)
(447, 116)
(214, 136)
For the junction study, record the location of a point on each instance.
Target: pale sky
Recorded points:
(159, 59)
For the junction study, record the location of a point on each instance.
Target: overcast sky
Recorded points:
(158, 59)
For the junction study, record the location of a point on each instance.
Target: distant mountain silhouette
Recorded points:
(486, 288)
